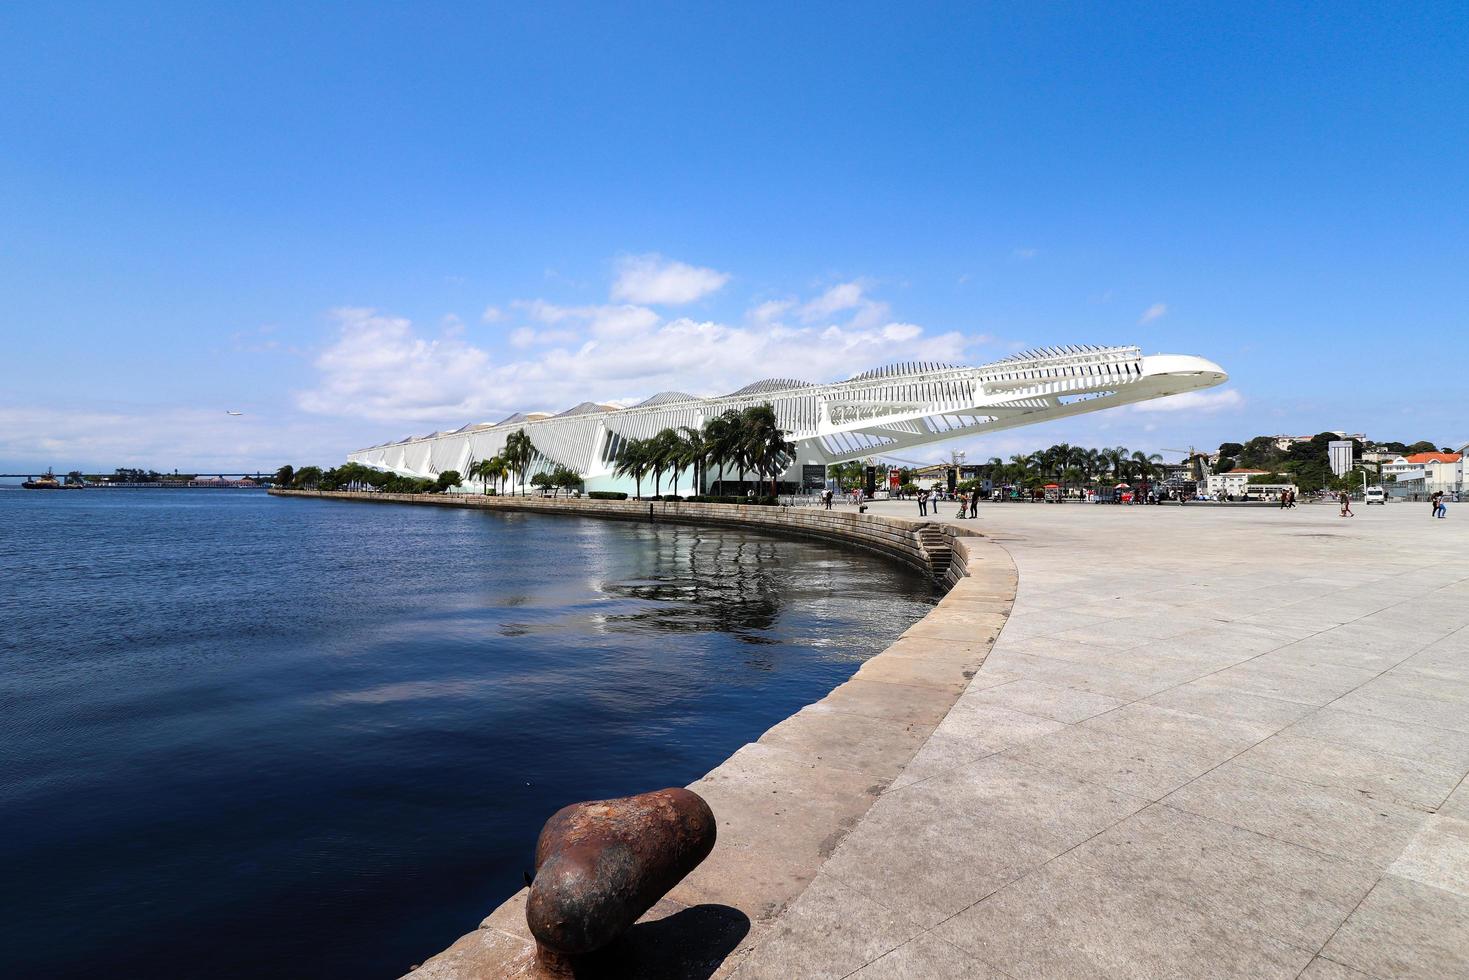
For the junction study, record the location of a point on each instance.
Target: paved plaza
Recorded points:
(1209, 742)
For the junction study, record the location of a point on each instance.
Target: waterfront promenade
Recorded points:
(1209, 742)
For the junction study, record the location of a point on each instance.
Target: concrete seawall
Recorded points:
(786, 801)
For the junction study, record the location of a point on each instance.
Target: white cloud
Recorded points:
(1153, 312)
(1025, 253)
(843, 296)
(379, 367)
(607, 321)
(771, 311)
(849, 298)
(1217, 400)
(901, 332)
(492, 314)
(528, 337)
(653, 279)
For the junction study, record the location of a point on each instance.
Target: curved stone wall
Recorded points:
(785, 801)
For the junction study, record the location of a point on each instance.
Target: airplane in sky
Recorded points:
(227, 412)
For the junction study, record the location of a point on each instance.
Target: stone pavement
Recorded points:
(1208, 743)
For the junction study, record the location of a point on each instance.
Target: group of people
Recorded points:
(1440, 506)
(1287, 499)
(968, 503)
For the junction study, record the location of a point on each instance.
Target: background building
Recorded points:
(881, 411)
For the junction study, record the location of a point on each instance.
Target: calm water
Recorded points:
(250, 737)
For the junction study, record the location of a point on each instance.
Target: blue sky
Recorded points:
(353, 223)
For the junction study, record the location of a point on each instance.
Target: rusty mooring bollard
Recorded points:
(600, 865)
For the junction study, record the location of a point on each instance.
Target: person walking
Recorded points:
(826, 496)
(963, 506)
(1346, 504)
(922, 503)
(1439, 510)
(974, 504)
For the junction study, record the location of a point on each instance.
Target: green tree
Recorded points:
(308, 477)
(447, 480)
(721, 438)
(519, 453)
(563, 478)
(634, 460)
(765, 446)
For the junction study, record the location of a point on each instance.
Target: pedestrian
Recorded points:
(974, 503)
(963, 506)
(1346, 504)
(826, 496)
(922, 503)
(1438, 504)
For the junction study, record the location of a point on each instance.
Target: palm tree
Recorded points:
(634, 460)
(666, 453)
(695, 454)
(493, 469)
(518, 453)
(1145, 464)
(765, 447)
(721, 438)
(1092, 463)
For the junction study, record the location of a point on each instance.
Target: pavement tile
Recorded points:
(1095, 679)
(1220, 738)
(1405, 929)
(1217, 702)
(1128, 765)
(1438, 855)
(926, 957)
(1022, 799)
(1451, 715)
(943, 751)
(1362, 830)
(1069, 920)
(1355, 769)
(827, 933)
(1296, 895)
(1046, 700)
(1324, 969)
(1309, 684)
(923, 854)
(1457, 805)
(1436, 746)
(1330, 648)
(1417, 684)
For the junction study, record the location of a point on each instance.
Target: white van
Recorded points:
(1374, 495)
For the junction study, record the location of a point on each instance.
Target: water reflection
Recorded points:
(332, 731)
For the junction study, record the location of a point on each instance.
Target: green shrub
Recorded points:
(607, 495)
